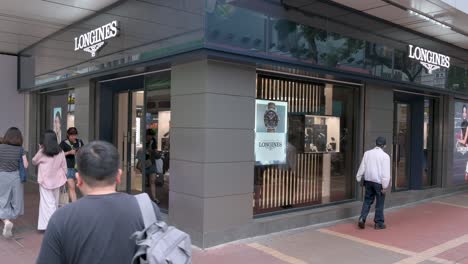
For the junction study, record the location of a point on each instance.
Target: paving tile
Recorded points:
(315, 247)
(458, 254)
(233, 254)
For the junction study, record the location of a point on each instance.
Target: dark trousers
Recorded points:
(373, 191)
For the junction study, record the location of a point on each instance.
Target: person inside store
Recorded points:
(147, 162)
(11, 187)
(52, 171)
(70, 146)
(374, 171)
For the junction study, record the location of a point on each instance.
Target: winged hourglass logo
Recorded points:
(94, 48)
(429, 67)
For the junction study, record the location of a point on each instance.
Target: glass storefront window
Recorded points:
(158, 120)
(304, 144)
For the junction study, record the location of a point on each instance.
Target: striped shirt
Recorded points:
(9, 158)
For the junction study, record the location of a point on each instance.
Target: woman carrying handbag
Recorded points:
(51, 176)
(11, 187)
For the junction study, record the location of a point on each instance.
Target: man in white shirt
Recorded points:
(375, 167)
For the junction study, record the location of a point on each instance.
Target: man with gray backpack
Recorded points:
(106, 226)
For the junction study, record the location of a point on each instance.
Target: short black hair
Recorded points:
(380, 142)
(72, 131)
(57, 114)
(150, 132)
(13, 137)
(50, 144)
(98, 163)
(464, 107)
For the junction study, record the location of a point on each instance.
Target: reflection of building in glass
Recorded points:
(436, 79)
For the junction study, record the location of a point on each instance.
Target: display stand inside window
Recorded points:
(313, 164)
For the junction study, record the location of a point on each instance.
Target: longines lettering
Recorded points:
(93, 40)
(270, 145)
(429, 59)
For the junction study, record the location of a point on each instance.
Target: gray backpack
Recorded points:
(159, 243)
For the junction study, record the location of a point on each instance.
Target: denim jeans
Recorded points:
(373, 191)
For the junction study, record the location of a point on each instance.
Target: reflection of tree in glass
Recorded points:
(457, 78)
(303, 42)
(408, 66)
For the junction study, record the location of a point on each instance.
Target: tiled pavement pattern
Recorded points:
(432, 232)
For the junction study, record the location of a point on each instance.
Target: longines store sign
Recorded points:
(429, 59)
(94, 40)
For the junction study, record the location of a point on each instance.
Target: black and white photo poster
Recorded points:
(321, 134)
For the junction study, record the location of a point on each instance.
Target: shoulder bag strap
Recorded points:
(146, 208)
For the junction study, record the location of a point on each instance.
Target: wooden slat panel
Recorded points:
(281, 185)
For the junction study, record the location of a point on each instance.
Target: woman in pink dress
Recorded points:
(51, 176)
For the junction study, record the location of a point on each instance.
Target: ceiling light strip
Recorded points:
(412, 12)
(419, 14)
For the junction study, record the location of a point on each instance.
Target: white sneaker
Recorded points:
(7, 229)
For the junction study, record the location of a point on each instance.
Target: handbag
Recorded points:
(63, 196)
(22, 171)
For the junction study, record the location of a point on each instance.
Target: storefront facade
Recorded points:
(260, 111)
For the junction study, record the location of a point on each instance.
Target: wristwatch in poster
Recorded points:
(271, 118)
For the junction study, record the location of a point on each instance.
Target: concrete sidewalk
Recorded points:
(431, 232)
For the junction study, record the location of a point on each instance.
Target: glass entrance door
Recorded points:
(401, 146)
(130, 138)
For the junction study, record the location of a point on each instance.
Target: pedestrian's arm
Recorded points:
(25, 162)
(63, 164)
(465, 137)
(51, 250)
(37, 158)
(386, 173)
(362, 169)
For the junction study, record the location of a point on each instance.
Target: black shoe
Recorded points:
(361, 223)
(380, 226)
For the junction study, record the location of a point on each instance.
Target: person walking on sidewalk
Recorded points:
(97, 228)
(375, 168)
(51, 176)
(70, 146)
(11, 188)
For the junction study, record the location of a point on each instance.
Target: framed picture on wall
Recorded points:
(57, 122)
(321, 134)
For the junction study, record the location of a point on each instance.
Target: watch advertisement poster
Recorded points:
(460, 155)
(270, 132)
(321, 134)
